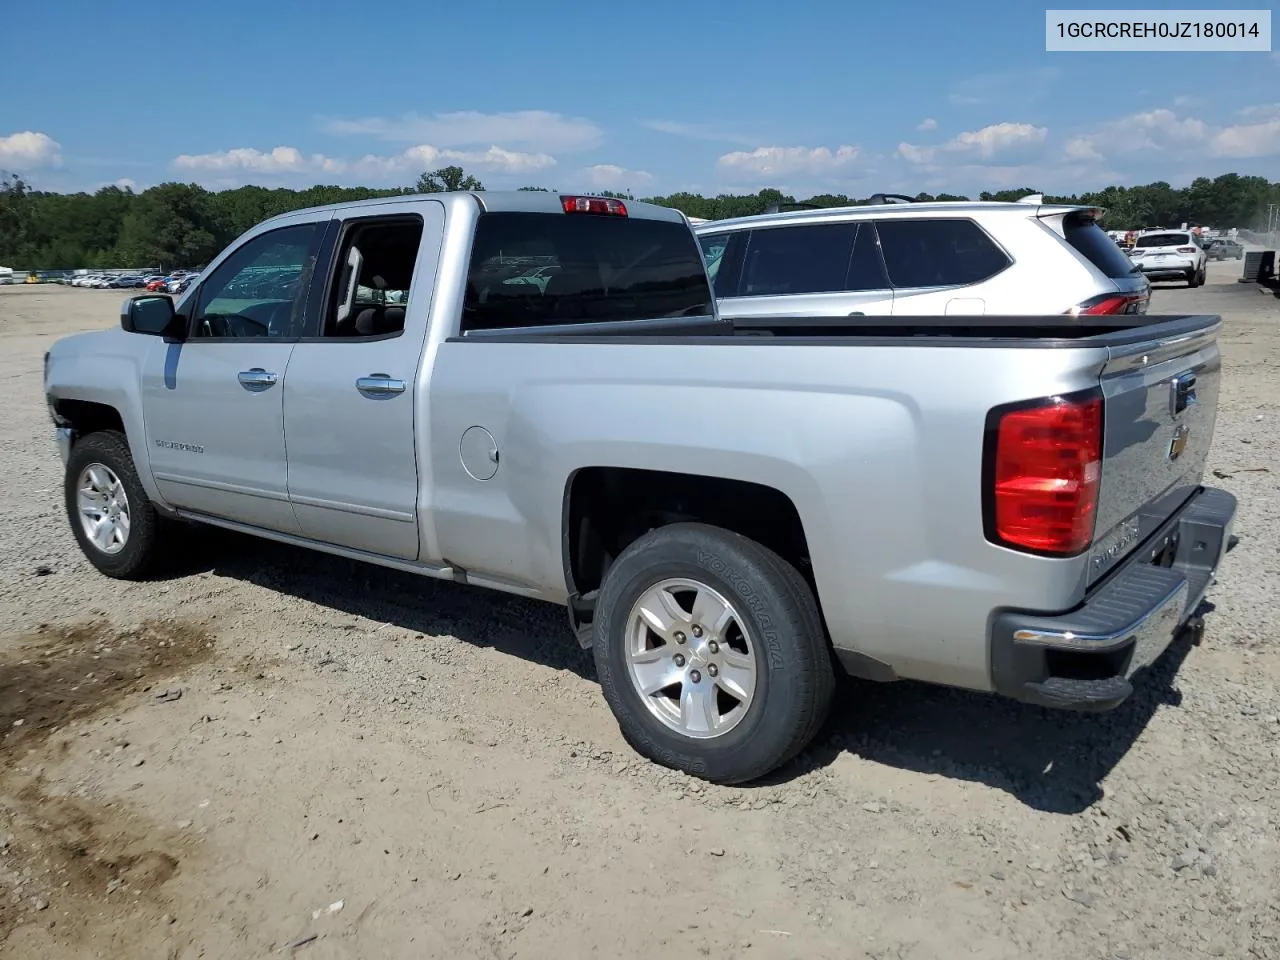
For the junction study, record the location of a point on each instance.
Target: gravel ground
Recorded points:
(273, 750)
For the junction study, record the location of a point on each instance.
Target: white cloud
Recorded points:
(1172, 135)
(124, 183)
(928, 123)
(278, 160)
(28, 150)
(607, 176)
(426, 157)
(1082, 148)
(1266, 111)
(291, 161)
(1160, 129)
(785, 161)
(537, 130)
(916, 154)
(1248, 140)
(998, 138)
(984, 144)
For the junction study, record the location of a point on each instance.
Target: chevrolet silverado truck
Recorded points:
(735, 512)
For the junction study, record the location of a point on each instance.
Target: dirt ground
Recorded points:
(274, 752)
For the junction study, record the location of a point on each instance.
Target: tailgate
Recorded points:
(1161, 402)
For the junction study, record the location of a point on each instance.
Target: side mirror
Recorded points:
(153, 315)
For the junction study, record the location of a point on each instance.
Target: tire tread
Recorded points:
(146, 528)
(809, 669)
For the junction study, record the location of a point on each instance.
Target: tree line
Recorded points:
(175, 225)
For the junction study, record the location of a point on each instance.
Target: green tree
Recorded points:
(446, 180)
(173, 224)
(17, 218)
(183, 225)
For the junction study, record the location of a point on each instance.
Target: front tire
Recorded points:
(711, 653)
(113, 520)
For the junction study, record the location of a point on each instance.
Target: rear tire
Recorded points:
(114, 522)
(742, 693)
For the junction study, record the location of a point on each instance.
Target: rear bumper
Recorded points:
(1084, 659)
(1168, 268)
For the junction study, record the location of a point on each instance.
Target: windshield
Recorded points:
(1164, 240)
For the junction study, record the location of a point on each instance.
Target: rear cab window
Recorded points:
(542, 269)
(1091, 242)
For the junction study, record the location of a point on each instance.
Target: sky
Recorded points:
(813, 97)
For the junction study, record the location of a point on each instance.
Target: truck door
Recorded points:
(351, 395)
(212, 405)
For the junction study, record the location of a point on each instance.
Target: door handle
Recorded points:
(379, 385)
(256, 379)
(857, 313)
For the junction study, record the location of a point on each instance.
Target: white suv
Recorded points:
(903, 258)
(1171, 254)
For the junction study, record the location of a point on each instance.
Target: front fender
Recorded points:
(106, 368)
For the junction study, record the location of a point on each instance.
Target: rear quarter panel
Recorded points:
(879, 448)
(1047, 275)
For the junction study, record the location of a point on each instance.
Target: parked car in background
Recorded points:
(1225, 248)
(1171, 255)
(921, 259)
(179, 286)
(728, 509)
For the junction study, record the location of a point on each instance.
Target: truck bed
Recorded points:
(1004, 331)
(901, 407)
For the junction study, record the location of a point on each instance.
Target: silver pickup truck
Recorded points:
(535, 393)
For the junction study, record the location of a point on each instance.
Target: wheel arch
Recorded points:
(87, 416)
(606, 508)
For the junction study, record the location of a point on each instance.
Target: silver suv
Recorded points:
(901, 258)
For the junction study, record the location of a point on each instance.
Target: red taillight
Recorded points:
(1042, 474)
(606, 205)
(1186, 249)
(1111, 305)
